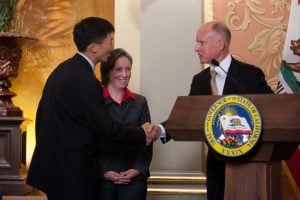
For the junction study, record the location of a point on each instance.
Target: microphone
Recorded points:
(217, 64)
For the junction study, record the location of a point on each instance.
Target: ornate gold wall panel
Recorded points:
(51, 21)
(258, 31)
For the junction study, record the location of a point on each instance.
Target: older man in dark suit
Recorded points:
(72, 119)
(232, 77)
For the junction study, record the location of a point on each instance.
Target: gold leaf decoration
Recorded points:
(267, 46)
(270, 18)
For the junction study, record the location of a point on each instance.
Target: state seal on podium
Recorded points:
(233, 126)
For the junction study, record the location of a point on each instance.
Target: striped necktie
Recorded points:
(213, 85)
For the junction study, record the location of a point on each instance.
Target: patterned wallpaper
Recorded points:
(258, 31)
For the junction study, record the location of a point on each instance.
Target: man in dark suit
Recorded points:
(72, 120)
(233, 77)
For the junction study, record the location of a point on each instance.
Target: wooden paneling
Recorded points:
(12, 169)
(257, 175)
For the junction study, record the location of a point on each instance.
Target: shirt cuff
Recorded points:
(162, 131)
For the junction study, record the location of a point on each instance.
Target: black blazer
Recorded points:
(117, 157)
(242, 78)
(71, 121)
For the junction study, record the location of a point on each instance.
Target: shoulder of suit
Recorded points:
(244, 65)
(140, 97)
(204, 72)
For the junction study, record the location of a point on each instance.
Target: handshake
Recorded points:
(152, 132)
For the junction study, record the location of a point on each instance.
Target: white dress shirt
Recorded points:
(221, 75)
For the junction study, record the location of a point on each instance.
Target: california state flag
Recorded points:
(289, 76)
(235, 125)
(289, 82)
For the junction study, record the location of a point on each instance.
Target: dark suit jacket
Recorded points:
(71, 121)
(242, 78)
(116, 157)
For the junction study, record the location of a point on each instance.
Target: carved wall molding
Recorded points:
(261, 25)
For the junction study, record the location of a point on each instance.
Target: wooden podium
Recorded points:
(258, 176)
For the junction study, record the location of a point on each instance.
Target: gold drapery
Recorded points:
(51, 21)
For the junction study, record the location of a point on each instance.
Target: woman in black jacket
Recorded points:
(123, 169)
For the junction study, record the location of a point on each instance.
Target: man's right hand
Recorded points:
(152, 132)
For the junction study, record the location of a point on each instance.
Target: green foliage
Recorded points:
(6, 13)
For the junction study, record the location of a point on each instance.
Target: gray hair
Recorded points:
(222, 29)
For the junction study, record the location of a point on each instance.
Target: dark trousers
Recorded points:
(215, 174)
(0, 193)
(51, 197)
(136, 190)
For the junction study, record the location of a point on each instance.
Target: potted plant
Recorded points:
(10, 56)
(6, 14)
